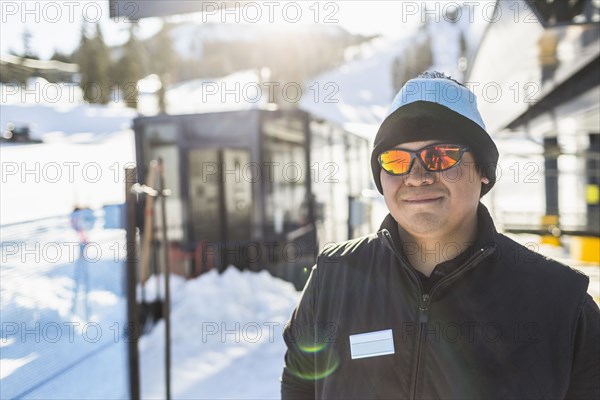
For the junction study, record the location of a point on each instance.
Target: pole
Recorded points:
(593, 184)
(148, 227)
(131, 281)
(166, 304)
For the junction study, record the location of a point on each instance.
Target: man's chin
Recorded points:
(421, 222)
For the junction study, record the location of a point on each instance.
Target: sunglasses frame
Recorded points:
(414, 154)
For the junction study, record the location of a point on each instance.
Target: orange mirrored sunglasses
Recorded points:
(434, 158)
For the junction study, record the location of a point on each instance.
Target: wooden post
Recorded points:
(131, 282)
(167, 301)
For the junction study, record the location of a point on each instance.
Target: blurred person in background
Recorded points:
(82, 220)
(437, 303)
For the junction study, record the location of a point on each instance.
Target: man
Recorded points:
(437, 304)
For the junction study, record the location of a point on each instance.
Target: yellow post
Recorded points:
(585, 248)
(550, 223)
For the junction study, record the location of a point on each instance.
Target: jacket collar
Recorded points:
(486, 230)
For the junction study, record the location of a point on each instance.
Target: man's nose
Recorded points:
(418, 175)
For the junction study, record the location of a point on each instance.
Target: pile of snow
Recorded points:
(225, 337)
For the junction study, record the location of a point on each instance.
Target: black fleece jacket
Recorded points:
(505, 323)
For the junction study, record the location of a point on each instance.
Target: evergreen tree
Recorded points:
(131, 68)
(27, 51)
(62, 57)
(19, 73)
(14, 73)
(60, 75)
(94, 65)
(165, 60)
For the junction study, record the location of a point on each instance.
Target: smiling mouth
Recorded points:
(422, 201)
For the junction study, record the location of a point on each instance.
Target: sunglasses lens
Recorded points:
(439, 158)
(395, 162)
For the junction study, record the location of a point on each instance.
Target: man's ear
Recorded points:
(485, 180)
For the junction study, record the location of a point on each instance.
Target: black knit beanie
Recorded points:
(436, 108)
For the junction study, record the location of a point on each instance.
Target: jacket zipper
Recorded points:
(423, 306)
(422, 324)
(425, 298)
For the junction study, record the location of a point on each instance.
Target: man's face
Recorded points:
(433, 204)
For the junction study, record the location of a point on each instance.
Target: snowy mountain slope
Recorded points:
(357, 95)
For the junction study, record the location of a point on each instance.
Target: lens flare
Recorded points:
(329, 367)
(313, 349)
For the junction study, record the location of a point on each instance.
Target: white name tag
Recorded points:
(371, 344)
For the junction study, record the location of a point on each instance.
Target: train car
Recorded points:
(258, 189)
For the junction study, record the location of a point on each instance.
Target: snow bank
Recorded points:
(225, 337)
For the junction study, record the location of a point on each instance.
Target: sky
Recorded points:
(56, 25)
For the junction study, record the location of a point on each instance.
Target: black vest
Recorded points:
(501, 325)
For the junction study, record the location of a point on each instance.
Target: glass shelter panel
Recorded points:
(237, 181)
(285, 174)
(205, 196)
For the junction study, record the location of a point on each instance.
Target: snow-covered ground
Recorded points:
(57, 112)
(226, 338)
(49, 179)
(225, 331)
(61, 318)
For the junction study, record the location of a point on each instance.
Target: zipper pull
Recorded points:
(423, 309)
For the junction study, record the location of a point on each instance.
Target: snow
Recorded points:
(62, 174)
(226, 338)
(237, 91)
(357, 95)
(354, 99)
(225, 331)
(362, 88)
(82, 158)
(53, 324)
(188, 39)
(11, 365)
(45, 107)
